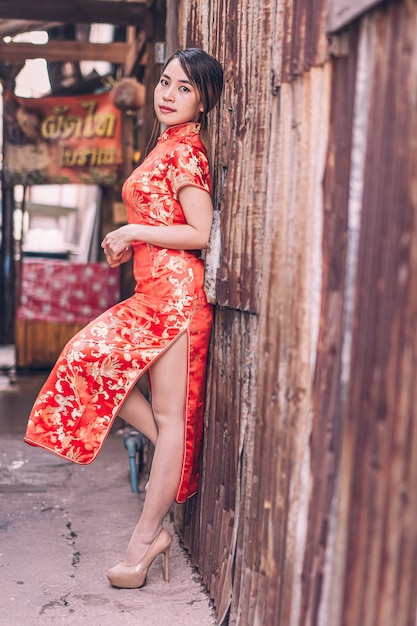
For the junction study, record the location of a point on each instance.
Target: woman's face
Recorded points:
(176, 100)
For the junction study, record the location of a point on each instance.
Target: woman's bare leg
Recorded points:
(137, 411)
(168, 382)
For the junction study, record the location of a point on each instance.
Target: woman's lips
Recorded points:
(165, 109)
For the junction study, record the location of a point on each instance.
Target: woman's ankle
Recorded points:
(139, 544)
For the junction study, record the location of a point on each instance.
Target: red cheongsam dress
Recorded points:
(98, 368)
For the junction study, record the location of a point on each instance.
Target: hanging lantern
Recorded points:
(128, 94)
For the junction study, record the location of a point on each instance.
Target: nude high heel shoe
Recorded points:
(134, 576)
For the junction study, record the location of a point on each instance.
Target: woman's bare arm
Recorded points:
(194, 235)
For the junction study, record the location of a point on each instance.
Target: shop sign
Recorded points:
(57, 140)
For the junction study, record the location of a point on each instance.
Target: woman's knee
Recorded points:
(168, 415)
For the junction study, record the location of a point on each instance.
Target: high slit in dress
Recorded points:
(98, 368)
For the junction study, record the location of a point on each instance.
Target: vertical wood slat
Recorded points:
(307, 46)
(302, 37)
(326, 426)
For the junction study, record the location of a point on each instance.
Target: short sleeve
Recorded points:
(188, 166)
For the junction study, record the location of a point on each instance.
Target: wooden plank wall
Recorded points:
(307, 507)
(377, 498)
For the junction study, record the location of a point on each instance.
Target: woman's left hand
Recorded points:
(117, 246)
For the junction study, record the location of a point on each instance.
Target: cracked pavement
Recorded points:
(63, 525)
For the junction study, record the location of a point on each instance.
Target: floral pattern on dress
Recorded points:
(98, 368)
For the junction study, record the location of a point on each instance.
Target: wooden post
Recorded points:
(7, 260)
(7, 276)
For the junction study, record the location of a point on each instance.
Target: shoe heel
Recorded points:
(165, 556)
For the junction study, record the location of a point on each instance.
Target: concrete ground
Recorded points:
(63, 525)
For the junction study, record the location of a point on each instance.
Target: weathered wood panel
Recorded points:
(273, 536)
(380, 453)
(325, 440)
(243, 166)
(38, 344)
(271, 483)
(209, 522)
(318, 527)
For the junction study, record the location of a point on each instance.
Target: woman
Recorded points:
(163, 329)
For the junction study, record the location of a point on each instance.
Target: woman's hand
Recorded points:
(197, 206)
(123, 257)
(117, 247)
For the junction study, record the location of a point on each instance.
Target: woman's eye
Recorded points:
(184, 89)
(164, 82)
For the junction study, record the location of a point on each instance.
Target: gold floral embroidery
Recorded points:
(83, 394)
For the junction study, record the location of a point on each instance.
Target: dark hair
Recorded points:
(205, 73)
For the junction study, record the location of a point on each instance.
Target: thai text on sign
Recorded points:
(74, 139)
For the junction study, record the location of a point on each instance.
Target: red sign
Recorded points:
(74, 139)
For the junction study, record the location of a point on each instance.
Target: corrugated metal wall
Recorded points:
(308, 505)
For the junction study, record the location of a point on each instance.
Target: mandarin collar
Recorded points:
(180, 130)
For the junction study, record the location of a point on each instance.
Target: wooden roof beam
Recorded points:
(59, 50)
(117, 12)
